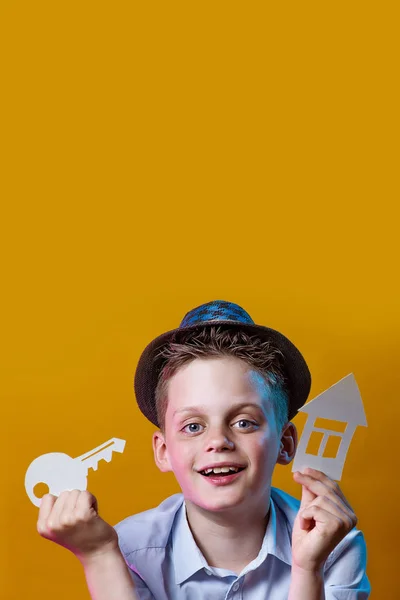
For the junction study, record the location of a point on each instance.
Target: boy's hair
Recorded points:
(260, 355)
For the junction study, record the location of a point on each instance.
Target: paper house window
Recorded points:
(333, 417)
(325, 438)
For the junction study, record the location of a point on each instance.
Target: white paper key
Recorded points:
(60, 472)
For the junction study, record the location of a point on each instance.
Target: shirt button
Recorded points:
(207, 571)
(236, 587)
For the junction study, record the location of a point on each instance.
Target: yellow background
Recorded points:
(157, 155)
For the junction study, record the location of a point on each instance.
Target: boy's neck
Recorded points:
(228, 541)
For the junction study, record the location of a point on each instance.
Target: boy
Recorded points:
(222, 391)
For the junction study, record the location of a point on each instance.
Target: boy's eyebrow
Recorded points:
(233, 408)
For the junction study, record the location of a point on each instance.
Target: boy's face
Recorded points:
(220, 411)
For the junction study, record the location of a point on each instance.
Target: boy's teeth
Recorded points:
(217, 470)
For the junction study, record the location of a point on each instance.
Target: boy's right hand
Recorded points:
(72, 521)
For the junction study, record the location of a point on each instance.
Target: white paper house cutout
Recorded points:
(342, 402)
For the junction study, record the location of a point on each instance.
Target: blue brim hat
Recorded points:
(225, 315)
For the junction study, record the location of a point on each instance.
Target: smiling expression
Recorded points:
(220, 414)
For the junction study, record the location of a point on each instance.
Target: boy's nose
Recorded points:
(219, 441)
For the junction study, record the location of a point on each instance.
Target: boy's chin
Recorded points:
(225, 502)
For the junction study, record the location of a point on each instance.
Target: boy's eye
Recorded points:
(192, 428)
(245, 424)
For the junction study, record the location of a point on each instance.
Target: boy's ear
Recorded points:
(161, 457)
(288, 444)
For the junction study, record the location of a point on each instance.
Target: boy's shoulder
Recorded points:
(150, 528)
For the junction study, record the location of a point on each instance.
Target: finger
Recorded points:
(86, 505)
(324, 520)
(334, 499)
(338, 510)
(67, 514)
(53, 521)
(325, 480)
(321, 485)
(306, 523)
(307, 495)
(46, 506)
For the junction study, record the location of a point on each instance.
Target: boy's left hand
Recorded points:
(323, 520)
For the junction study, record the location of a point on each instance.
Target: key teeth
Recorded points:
(92, 462)
(108, 455)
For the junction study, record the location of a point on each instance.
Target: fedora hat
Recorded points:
(225, 315)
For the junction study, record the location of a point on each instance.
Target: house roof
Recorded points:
(341, 402)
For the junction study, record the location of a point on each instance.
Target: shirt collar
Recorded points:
(188, 559)
(186, 555)
(277, 540)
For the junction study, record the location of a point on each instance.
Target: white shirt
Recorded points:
(166, 563)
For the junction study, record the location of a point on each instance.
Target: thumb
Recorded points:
(307, 496)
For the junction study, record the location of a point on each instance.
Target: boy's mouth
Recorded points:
(221, 471)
